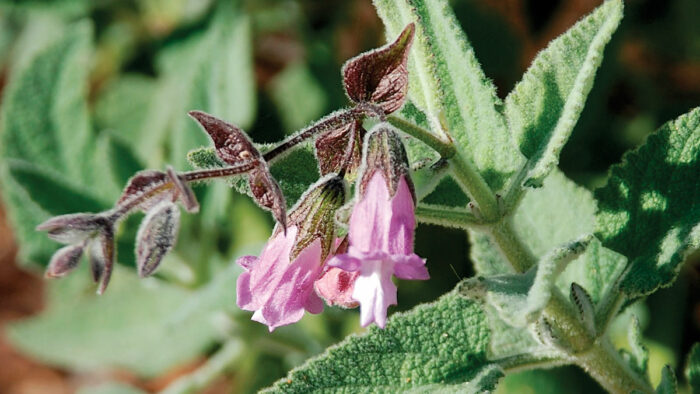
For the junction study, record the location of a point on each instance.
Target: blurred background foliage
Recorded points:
(272, 66)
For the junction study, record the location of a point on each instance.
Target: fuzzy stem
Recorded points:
(596, 356)
(445, 148)
(506, 239)
(330, 122)
(447, 216)
(606, 366)
(475, 186)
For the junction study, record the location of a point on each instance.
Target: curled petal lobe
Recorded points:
(375, 291)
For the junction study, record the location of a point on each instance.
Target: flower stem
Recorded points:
(447, 216)
(445, 148)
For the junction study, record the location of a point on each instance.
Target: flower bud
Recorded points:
(314, 214)
(156, 236)
(385, 152)
(279, 285)
(64, 261)
(73, 228)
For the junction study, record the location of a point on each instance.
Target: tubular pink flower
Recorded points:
(276, 289)
(381, 245)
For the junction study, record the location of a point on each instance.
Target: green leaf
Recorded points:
(46, 142)
(123, 107)
(128, 327)
(543, 108)
(520, 298)
(669, 384)
(210, 71)
(294, 172)
(649, 209)
(44, 113)
(552, 215)
(447, 83)
(298, 96)
(692, 368)
(439, 343)
(639, 351)
(484, 382)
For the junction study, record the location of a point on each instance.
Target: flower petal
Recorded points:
(402, 221)
(410, 267)
(288, 301)
(369, 219)
(375, 291)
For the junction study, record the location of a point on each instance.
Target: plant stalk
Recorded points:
(446, 149)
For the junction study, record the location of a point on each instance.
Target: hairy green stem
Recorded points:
(445, 148)
(475, 186)
(605, 365)
(511, 246)
(447, 216)
(198, 380)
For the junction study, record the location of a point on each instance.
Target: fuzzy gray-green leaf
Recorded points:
(447, 83)
(543, 108)
(556, 213)
(442, 343)
(650, 208)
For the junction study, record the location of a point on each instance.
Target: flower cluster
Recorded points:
(304, 261)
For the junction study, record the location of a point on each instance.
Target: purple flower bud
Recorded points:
(64, 261)
(151, 187)
(380, 76)
(279, 285)
(73, 228)
(156, 237)
(107, 252)
(381, 228)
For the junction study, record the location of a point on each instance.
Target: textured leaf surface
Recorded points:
(44, 128)
(129, 326)
(692, 369)
(212, 72)
(447, 83)
(557, 213)
(440, 343)
(543, 108)
(668, 384)
(519, 298)
(650, 207)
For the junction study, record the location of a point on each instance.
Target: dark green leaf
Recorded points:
(440, 343)
(650, 209)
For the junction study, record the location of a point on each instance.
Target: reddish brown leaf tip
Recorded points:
(231, 143)
(340, 149)
(380, 76)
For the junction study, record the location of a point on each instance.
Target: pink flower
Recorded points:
(336, 286)
(381, 245)
(277, 288)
